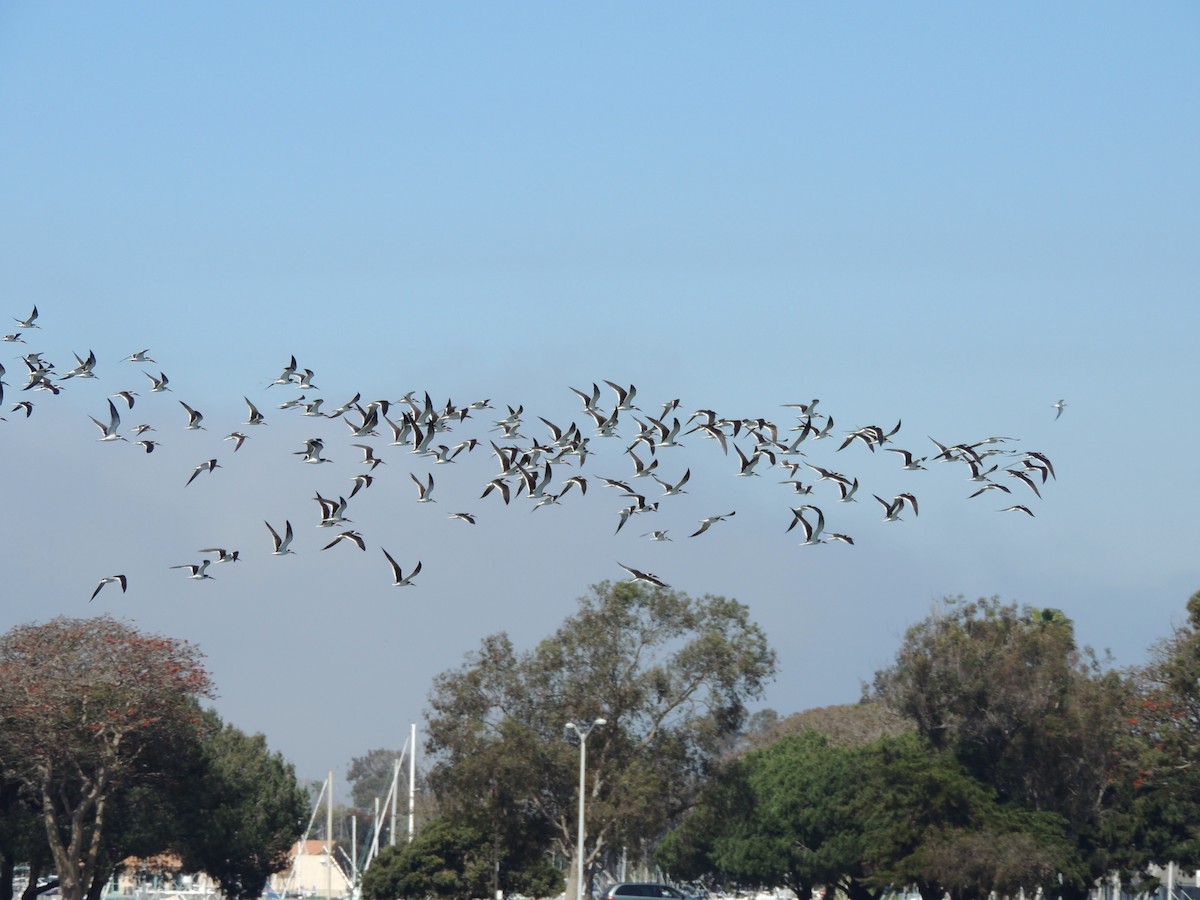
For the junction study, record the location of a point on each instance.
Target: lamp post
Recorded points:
(582, 729)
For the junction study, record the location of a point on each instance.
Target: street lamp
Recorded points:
(583, 730)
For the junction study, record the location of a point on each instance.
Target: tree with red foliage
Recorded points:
(88, 706)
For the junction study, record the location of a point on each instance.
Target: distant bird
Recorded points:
(657, 535)
(670, 490)
(23, 406)
(369, 457)
(148, 445)
(159, 384)
(253, 416)
(398, 577)
(639, 575)
(707, 523)
(424, 491)
(812, 533)
(496, 484)
(281, 543)
(312, 451)
(360, 482)
(109, 432)
(127, 396)
(194, 418)
(466, 517)
(139, 356)
(1018, 508)
(199, 570)
(28, 322)
(207, 466)
(911, 463)
(893, 508)
(111, 579)
(1058, 408)
(239, 439)
(348, 536)
(223, 555)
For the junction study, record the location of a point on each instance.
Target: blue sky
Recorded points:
(952, 216)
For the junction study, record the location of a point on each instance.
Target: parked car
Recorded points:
(630, 889)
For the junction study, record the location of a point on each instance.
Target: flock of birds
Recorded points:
(539, 462)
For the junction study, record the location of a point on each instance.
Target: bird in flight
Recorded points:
(199, 570)
(207, 466)
(111, 579)
(348, 536)
(1058, 408)
(398, 577)
(281, 543)
(639, 575)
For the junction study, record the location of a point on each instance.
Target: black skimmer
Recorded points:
(639, 575)
(199, 570)
(109, 432)
(223, 555)
(707, 523)
(207, 466)
(111, 579)
(253, 416)
(398, 577)
(194, 418)
(281, 544)
(424, 491)
(348, 536)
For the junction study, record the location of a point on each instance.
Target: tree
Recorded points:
(1028, 713)
(453, 860)
(87, 704)
(670, 674)
(1163, 780)
(247, 811)
(370, 776)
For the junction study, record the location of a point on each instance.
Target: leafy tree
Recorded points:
(250, 808)
(926, 821)
(1028, 713)
(670, 674)
(449, 859)
(1163, 781)
(370, 776)
(89, 706)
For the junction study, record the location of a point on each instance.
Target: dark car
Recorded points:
(629, 889)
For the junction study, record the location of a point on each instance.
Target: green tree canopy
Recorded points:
(1038, 720)
(247, 810)
(670, 674)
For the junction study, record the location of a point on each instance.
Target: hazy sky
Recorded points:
(948, 215)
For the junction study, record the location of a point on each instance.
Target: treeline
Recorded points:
(994, 754)
(1020, 761)
(106, 753)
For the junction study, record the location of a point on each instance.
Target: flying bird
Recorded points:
(194, 418)
(199, 570)
(253, 416)
(111, 579)
(348, 536)
(207, 466)
(281, 543)
(1058, 408)
(398, 578)
(109, 432)
(223, 555)
(707, 523)
(639, 575)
